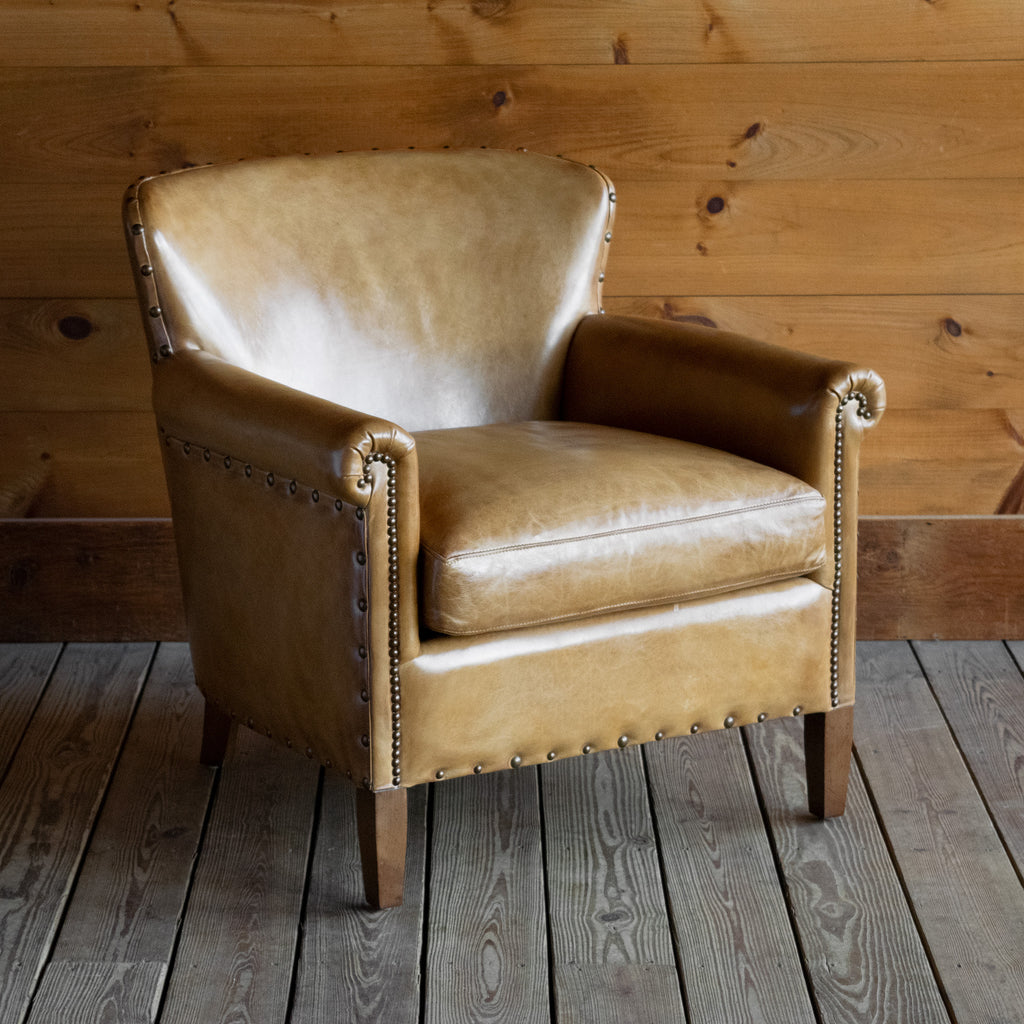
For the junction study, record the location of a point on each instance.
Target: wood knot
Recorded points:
(952, 328)
(76, 328)
(620, 51)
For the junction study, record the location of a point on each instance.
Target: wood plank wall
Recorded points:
(842, 178)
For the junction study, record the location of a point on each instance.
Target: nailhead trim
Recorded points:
(394, 647)
(864, 412)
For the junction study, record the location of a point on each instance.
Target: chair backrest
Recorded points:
(433, 288)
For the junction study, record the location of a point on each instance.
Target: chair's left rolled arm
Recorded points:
(297, 526)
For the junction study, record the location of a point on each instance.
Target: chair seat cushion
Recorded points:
(527, 523)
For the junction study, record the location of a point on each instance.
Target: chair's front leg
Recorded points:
(828, 746)
(216, 734)
(382, 820)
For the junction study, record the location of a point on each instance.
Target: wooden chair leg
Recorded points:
(828, 746)
(382, 820)
(216, 733)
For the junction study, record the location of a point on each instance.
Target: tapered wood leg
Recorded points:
(216, 733)
(828, 746)
(383, 820)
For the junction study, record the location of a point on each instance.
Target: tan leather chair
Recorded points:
(437, 516)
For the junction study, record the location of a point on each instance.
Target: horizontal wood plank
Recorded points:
(499, 31)
(955, 577)
(932, 351)
(926, 461)
(965, 894)
(99, 463)
(918, 577)
(666, 123)
(89, 580)
(73, 355)
(849, 237)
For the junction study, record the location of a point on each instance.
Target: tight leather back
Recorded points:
(432, 288)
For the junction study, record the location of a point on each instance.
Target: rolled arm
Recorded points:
(297, 527)
(207, 401)
(767, 403)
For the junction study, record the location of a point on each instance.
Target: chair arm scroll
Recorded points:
(767, 403)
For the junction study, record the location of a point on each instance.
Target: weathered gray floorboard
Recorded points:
(98, 993)
(358, 964)
(611, 943)
(49, 800)
(981, 692)
(739, 958)
(860, 945)
(24, 671)
(487, 956)
(237, 948)
(966, 897)
(128, 900)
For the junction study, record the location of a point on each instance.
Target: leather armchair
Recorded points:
(437, 515)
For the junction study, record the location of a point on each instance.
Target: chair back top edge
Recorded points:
(434, 288)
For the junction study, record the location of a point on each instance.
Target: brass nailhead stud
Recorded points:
(439, 774)
(761, 717)
(155, 311)
(362, 604)
(797, 710)
(316, 495)
(270, 479)
(365, 740)
(587, 748)
(361, 558)
(477, 769)
(136, 229)
(145, 270)
(623, 740)
(551, 755)
(248, 470)
(729, 721)
(516, 761)
(695, 727)
(364, 696)
(659, 735)
(608, 236)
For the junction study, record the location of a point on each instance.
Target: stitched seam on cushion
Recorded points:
(486, 552)
(722, 588)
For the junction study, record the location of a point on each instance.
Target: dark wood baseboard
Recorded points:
(945, 577)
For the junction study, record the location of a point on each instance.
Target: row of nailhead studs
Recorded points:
(621, 742)
(315, 495)
(837, 530)
(394, 633)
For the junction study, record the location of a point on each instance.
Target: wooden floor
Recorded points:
(683, 881)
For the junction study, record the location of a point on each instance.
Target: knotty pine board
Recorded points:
(850, 237)
(906, 121)
(97, 32)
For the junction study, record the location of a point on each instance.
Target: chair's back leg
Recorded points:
(828, 745)
(382, 819)
(216, 733)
